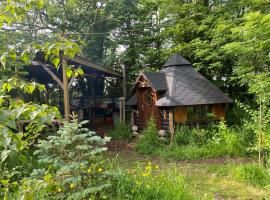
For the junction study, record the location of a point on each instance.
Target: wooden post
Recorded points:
(171, 126)
(124, 82)
(122, 109)
(65, 90)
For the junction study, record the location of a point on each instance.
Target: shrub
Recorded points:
(252, 174)
(145, 184)
(149, 143)
(182, 135)
(121, 131)
(73, 167)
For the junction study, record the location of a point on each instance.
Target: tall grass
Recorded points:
(120, 131)
(217, 140)
(149, 143)
(147, 184)
(253, 174)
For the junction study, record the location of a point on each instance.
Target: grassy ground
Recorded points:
(203, 178)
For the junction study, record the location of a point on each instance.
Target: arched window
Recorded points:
(149, 97)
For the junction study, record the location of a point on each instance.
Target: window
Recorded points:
(149, 97)
(198, 113)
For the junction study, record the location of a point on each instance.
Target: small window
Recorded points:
(149, 97)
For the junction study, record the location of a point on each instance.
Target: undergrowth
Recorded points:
(120, 131)
(149, 143)
(217, 140)
(147, 183)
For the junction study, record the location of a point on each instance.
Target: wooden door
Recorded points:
(146, 104)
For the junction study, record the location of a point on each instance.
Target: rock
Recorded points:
(162, 139)
(134, 128)
(161, 133)
(134, 133)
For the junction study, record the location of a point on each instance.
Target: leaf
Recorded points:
(25, 57)
(69, 72)
(40, 4)
(4, 154)
(56, 61)
(3, 60)
(6, 86)
(80, 71)
(47, 177)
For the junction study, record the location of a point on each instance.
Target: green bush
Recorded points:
(73, 168)
(252, 174)
(146, 184)
(149, 143)
(121, 131)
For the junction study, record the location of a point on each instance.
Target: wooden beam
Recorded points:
(66, 91)
(124, 88)
(86, 62)
(54, 77)
(124, 83)
(171, 126)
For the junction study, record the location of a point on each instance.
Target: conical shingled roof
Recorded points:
(176, 60)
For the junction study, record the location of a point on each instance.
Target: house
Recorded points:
(177, 94)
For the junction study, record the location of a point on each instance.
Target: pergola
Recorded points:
(45, 73)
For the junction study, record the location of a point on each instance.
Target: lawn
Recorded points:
(206, 179)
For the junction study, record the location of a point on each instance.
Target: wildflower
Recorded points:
(89, 170)
(72, 185)
(59, 190)
(99, 170)
(145, 174)
(148, 168)
(132, 191)
(156, 167)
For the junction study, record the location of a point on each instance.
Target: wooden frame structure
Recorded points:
(66, 83)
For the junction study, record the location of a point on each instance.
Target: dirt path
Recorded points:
(202, 183)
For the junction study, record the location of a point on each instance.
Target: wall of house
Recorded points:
(182, 114)
(218, 110)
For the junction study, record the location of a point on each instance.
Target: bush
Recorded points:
(252, 174)
(73, 166)
(145, 184)
(149, 143)
(121, 131)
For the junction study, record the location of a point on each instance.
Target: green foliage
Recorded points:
(215, 141)
(73, 166)
(120, 131)
(253, 174)
(146, 183)
(149, 142)
(12, 111)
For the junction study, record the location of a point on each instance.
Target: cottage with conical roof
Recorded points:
(177, 94)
